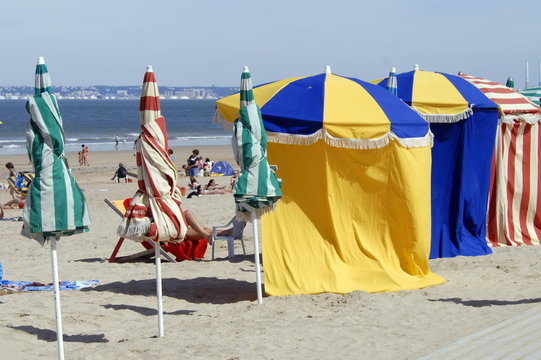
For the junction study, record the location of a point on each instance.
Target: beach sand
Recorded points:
(210, 307)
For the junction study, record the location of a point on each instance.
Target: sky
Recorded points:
(207, 42)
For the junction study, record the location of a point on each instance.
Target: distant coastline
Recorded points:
(103, 92)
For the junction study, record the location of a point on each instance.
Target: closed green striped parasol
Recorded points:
(55, 205)
(257, 188)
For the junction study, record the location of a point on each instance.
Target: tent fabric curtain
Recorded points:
(461, 166)
(364, 225)
(514, 216)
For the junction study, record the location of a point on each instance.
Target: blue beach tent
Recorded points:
(221, 168)
(463, 121)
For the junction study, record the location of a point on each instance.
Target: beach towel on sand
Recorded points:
(19, 286)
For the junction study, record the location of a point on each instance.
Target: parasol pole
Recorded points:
(59, 333)
(256, 258)
(159, 286)
(527, 75)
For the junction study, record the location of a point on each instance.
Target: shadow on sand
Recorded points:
(145, 310)
(481, 303)
(50, 335)
(198, 290)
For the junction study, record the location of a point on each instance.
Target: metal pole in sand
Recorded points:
(256, 258)
(59, 333)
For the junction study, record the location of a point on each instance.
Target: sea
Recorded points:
(96, 123)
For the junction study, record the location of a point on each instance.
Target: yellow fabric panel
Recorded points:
(361, 221)
(229, 106)
(375, 82)
(434, 94)
(350, 112)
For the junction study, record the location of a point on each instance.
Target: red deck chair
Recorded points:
(185, 250)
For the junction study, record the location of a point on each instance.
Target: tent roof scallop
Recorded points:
(512, 105)
(439, 97)
(342, 111)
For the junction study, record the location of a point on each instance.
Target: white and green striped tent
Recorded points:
(55, 206)
(257, 188)
(533, 94)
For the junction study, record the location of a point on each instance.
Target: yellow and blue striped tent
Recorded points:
(463, 121)
(355, 164)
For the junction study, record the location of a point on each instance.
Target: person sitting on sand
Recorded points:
(212, 188)
(120, 173)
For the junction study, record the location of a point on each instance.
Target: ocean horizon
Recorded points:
(97, 123)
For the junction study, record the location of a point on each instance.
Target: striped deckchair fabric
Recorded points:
(514, 209)
(533, 94)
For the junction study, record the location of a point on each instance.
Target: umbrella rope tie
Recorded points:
(445, 118)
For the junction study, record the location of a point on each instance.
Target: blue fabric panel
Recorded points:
(472, 94)
(461, 168)
(405, 123)
(297, 108)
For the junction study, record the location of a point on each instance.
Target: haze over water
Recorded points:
(97, 122)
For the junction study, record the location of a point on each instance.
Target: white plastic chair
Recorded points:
(238, 229)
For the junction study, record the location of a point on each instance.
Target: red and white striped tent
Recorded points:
(514, 210)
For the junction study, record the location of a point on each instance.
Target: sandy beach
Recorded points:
(210, 307)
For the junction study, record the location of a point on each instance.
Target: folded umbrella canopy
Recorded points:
(257, 189)
(355, 164)
(55, 206)
(154, 212)
(464, 122)
(514, 206)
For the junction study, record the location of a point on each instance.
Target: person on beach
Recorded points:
(212, 188)
(196, 231)
(193, 167)
(84, 156)
(120, 173)
(171, 156)
(234, 179)
(11, 169)
(117, 139)
(207, 166)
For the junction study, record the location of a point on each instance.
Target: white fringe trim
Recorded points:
(133, 231)
(361, 144)
(219, 119)
(524, 118)
(445, 118)
(247, 215)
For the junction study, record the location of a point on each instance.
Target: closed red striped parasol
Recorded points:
(154, 212)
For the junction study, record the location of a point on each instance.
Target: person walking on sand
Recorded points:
(117, 139)
(84, 155)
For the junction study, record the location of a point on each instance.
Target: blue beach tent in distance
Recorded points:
(221, 168)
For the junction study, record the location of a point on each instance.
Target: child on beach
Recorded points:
(120, 173)
(193, 167)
